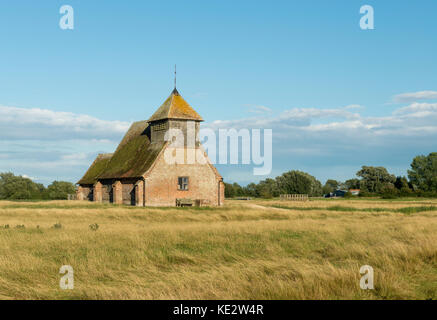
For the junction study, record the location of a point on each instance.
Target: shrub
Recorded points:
(425, 194)
(389, 192)
(57, 225)
(59, 190)
(19, 188)
(94, 227)
(364, 193)
(14, 187)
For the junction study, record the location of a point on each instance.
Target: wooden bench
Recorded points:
(183, 202)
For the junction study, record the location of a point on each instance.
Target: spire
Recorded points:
(175, 91)
(175, 77)
(175, 107)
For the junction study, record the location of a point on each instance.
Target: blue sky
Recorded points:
(66, 95)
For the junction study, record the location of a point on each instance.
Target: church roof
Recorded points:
(135, 154)
(175, 107)
(96, 168)
(133, 157)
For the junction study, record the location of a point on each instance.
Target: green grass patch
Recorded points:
(406, 210)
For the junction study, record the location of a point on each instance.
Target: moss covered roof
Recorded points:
(135, 154)
(133, 157)
(175, 107)
(97, 167)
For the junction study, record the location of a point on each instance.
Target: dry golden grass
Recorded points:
(257, 249)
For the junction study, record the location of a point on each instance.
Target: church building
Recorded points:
(138, 172)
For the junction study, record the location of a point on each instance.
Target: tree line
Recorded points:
(14, 187)
(372, 181)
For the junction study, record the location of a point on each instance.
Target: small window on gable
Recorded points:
(183, 183)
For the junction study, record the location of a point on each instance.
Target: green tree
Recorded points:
(374, 179)
(59, 190)
(267, 188)
(389, 192)
(229, 190)
(238, 190)
(330, 186)
(19, 188)
(403, 186)
(250, 190)
(423, 173)
(298, 182)
(352, 184)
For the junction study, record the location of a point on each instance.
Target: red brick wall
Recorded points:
(221, 193)
(139, 193)
(107, 193)
(162, 183)
(85, 193)
(128, 193)
(117, 193)
(97, 192)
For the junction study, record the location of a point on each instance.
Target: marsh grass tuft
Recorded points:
(94, 227)
(57, 225)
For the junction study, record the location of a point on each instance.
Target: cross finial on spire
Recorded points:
(175, 76)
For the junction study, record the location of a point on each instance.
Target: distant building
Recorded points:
(354, 192)
(137, 173)
(336, 193)
(339, 193)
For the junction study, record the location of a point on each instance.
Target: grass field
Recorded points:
(255, 249)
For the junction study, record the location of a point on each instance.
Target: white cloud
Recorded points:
(415, 96)
(296, 117)
(54, 145)
(324, 140)
(419, 109)
(35, 123)
(260, 109)
(27, 177)
(405, 121)
(75, 156)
